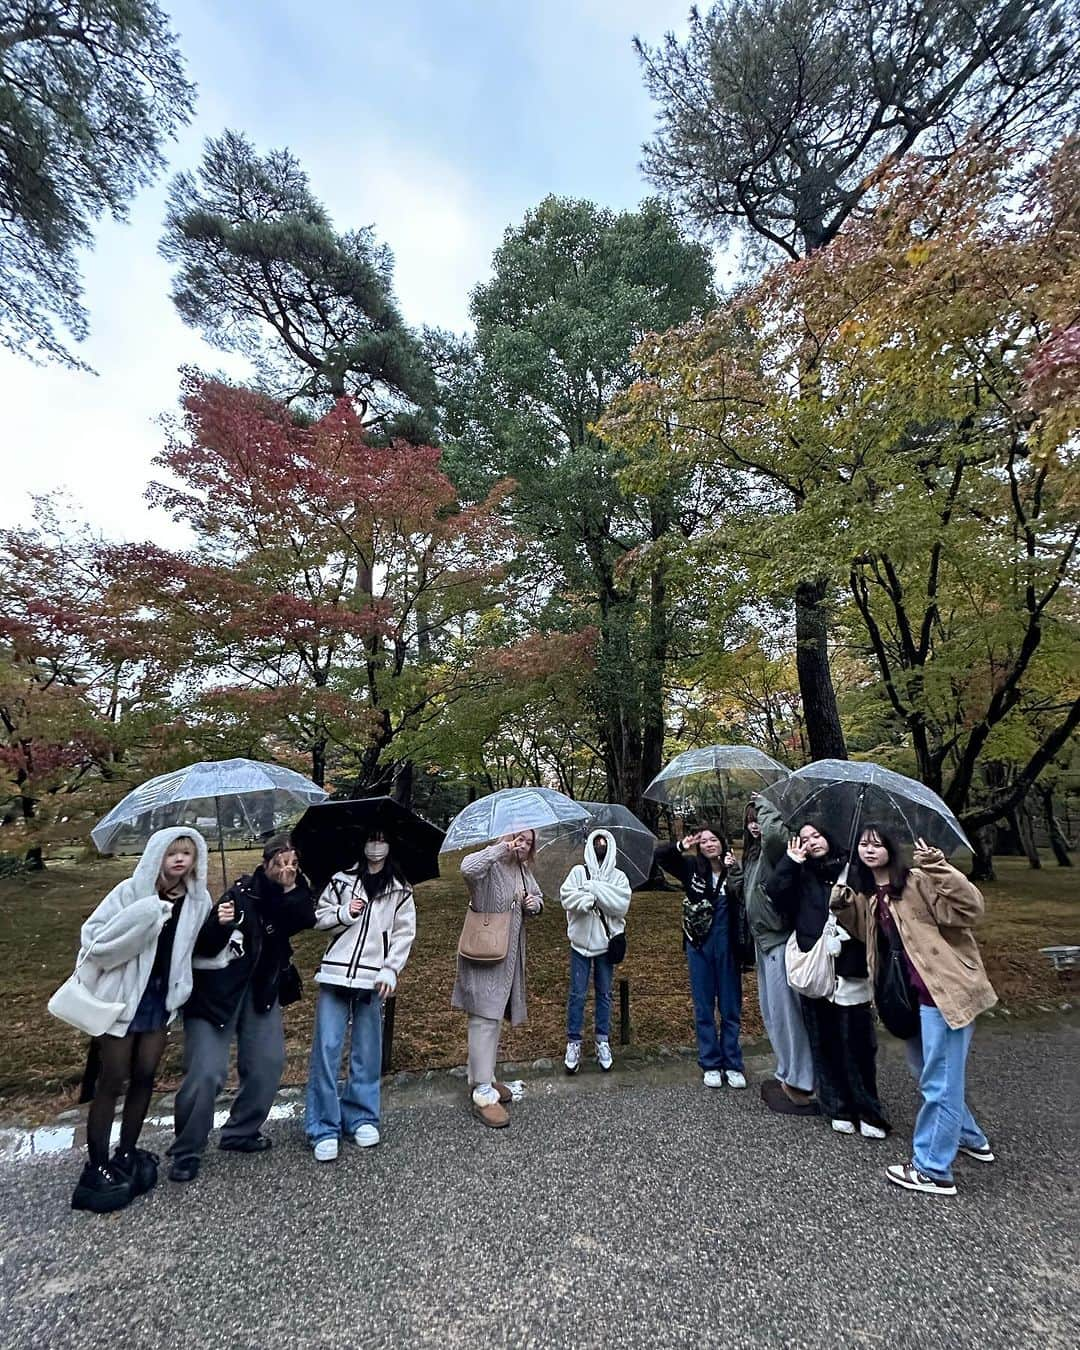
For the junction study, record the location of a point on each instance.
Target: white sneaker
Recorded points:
(326, 1150)
(603, 1055)
(734, 1078)
(713, 1078)
(572, 1058)
(870, 1131)
(365, 1136)
(843, 1126)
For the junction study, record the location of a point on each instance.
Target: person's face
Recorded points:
(753, 829)
(817, 846)
(179, 860)
(708, 845)
(600, 847)
(283, 867)
(872, 851)
(521, 842)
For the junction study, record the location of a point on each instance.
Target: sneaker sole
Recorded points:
(923, 1190)
(978, 1157)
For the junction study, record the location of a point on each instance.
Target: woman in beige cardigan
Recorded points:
(499, 880)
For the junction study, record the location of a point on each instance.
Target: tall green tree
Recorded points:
(774, 117)
(575, 289)
(89, 92)
(261, 270)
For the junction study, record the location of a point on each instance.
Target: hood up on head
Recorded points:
(148, 869)
(600, 870)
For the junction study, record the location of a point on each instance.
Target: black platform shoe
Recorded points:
(138, 1167)
(101, 1190)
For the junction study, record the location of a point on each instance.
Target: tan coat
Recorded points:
(934, 915)
(496, 885)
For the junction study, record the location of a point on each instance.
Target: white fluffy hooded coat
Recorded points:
(592, 886)
(119, 940)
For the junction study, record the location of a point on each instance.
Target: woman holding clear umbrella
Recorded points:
(500, 881)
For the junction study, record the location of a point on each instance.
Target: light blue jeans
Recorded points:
(603, 973)
(329, 1114)
(938, 1059)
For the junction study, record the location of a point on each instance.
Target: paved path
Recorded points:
(640, 1210)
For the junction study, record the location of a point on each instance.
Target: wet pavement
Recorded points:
(638, 1209)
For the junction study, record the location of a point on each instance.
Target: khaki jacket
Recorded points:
(934, 916)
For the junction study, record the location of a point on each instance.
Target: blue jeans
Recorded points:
(938, 1058)
(603, 973)
(329, 1115)
(715, 982)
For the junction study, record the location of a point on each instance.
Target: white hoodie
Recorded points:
(119, 940)
(596, 885)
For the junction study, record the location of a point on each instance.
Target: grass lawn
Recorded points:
(41, 1059)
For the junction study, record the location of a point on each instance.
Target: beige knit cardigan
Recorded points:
(496, 884)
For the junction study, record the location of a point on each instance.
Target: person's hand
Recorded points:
(924, 852)
(691, 839)
(729, 859)
(384, 989)
(356, 906)
(226, 912)
(796, 849)
(533, 904)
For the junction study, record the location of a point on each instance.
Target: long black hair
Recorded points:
(898, 872)
(829, 867)
(751, 846)
(703, 864)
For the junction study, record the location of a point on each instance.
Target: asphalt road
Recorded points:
(639, 1210)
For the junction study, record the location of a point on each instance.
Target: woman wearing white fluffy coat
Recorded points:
(596, 897)
(136, 950)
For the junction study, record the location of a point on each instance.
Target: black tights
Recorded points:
(131, 1059)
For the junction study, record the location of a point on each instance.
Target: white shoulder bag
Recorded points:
(813, 973)
(74, 1004)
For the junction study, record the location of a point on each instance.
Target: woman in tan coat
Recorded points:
(918, 922)
(499, 880)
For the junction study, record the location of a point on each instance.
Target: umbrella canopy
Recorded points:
(714, 777)
(846, 794)
(511, 809)
(559, 847)
(226, 795)
(330, 836)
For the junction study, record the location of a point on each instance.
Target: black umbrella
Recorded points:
(330, 837)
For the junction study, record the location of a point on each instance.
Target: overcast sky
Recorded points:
(439, 122)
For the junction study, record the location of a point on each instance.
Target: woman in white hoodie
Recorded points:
(596, 897)
(370, 915)
(136, 951)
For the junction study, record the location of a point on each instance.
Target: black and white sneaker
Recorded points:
(909, 1176)
(984, 1154)
(101, 1190)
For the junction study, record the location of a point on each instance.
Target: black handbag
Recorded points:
(896, 1001)
(290, 987)
(616, 946)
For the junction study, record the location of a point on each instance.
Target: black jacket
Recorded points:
(704, 889)
(800, 892)
(267, 918)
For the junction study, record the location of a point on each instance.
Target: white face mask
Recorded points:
(375, 851)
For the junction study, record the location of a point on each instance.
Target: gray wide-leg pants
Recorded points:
(260, 1062)
(782, 1014)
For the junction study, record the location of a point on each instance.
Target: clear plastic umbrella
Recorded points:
(228, 796)
(844, 794)
(712, 777)
(511, 809)
(559, 847)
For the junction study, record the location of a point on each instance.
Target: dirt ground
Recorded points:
(41, 1060)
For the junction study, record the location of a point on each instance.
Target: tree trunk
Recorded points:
(1058, 841)
(1020, 820)
(821, 714)
(652, 683)
(318, 762)
(403, 783)
(983, 858)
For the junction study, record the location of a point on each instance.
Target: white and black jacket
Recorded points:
(374, 945)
